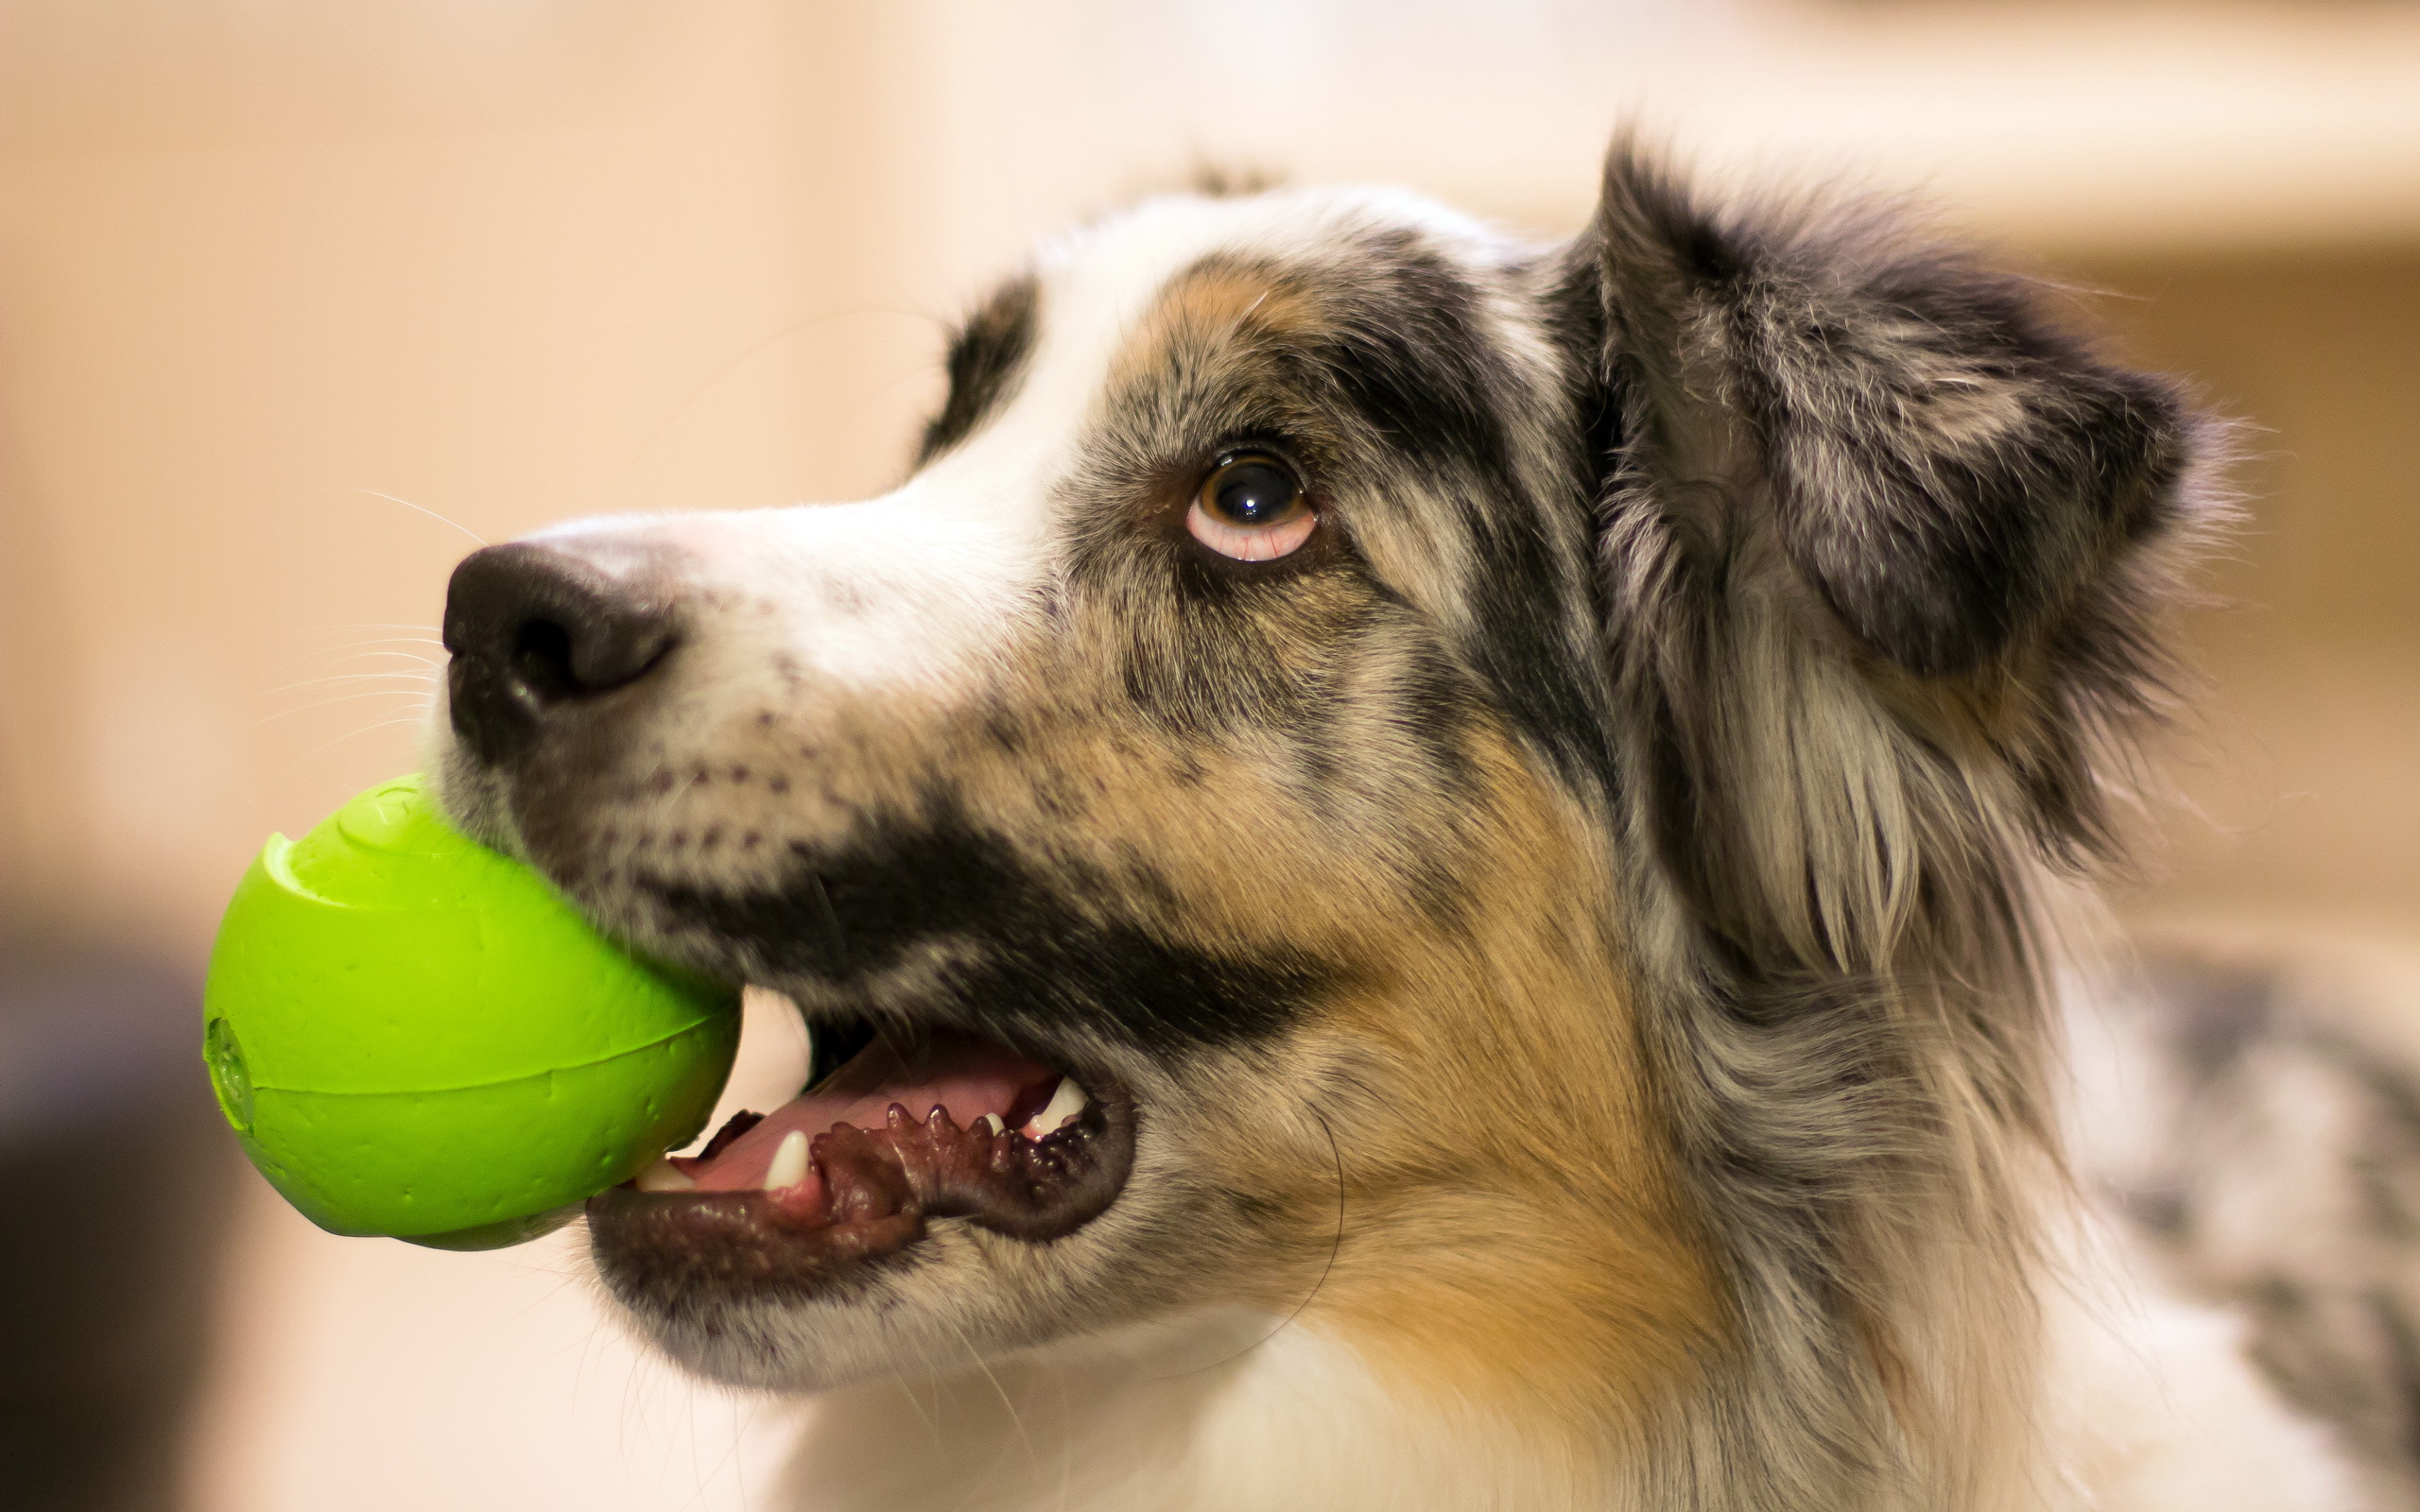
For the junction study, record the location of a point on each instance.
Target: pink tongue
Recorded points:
(970, 1077)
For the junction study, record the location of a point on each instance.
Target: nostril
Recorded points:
(542, 658)
(576, 657)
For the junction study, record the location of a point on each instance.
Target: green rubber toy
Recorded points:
(414, 1036)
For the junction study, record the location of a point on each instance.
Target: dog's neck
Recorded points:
(1218, 1410)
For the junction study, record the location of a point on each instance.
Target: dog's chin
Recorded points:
(857, 1180)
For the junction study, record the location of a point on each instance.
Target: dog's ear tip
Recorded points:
(1635, 160)
(1643, 203)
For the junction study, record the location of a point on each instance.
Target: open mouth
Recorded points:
(901, 1129)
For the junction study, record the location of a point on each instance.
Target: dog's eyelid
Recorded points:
(1274, 440)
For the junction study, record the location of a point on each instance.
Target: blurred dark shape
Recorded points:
(115, 1180)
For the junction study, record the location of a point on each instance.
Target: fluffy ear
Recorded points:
(1884, 555)
(1947, 468)
(1885, 550)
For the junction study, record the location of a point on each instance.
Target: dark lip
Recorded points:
(675, 1252)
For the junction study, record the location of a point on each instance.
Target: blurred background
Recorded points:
(301, 299)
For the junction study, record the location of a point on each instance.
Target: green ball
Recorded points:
(414, 1036)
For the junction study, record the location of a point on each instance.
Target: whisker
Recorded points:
(1017, 1419)
(425, 649)
(781, 332)
(389, 639)
(352, 677)
(431, 513)
(383, 724)
(700, 1476)
(1335, 1249)
(429, 662)
(340, 662)
(828, 919)
(347, 643)
(350, 697)
(908, 1389)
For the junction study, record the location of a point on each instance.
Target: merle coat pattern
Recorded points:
(1557, 928)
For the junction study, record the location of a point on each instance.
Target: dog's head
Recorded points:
(1400, 720)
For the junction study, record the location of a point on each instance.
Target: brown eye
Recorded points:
(1252, 507)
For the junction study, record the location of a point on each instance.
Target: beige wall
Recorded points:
(220, 326)
(519, 259)
(2303, 772)
(260, 264)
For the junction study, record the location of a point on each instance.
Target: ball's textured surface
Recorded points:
(414, 1036)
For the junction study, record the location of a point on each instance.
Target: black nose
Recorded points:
(536, 630)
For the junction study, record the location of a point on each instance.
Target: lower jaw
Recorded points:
(869, 1199)
(677, 1253)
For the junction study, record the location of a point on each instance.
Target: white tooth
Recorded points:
(989, 1123)
(790, 1161)
(665, 1177)
(1068, 1101)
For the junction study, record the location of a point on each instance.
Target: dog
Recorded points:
(1428, 872)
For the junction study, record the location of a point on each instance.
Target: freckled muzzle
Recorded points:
(851, 1173)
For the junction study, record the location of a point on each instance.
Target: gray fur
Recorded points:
(2276, 1168)
(1861, 757)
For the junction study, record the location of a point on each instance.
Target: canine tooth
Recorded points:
(790, 1161)
(664, 1176)
(1066, 1103)
(989, 1123)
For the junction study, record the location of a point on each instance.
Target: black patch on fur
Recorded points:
(986, 357)
(1525, 594)
(1417, 364)
(1412, 360)
(1407, 353)
(1027, 956)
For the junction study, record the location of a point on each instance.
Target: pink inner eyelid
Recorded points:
(1267, 543)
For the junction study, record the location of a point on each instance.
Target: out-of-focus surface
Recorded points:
(269, 268)
(2306, 767)
(115, 1184)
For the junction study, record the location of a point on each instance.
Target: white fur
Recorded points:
(2148, 1407)
(2152, 1407)
(1207, 1414)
